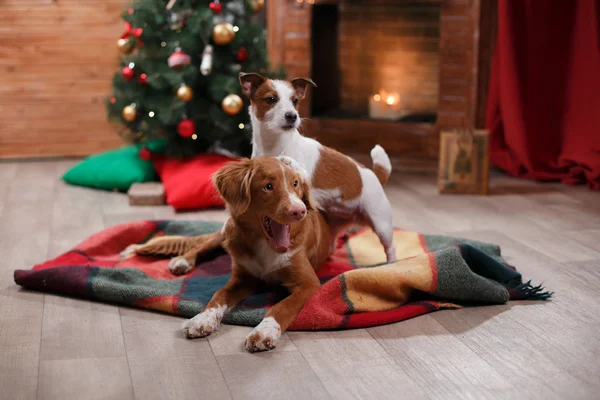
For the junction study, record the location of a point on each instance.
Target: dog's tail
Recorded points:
(382, 166)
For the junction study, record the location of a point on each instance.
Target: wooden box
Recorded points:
(464, 162)
(146, 194)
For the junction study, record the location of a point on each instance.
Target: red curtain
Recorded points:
(544, 102)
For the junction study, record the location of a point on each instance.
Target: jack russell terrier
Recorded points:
(348, 192)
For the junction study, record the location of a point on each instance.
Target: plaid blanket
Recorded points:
(358, 289)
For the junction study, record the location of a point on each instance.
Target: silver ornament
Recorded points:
(207, 60)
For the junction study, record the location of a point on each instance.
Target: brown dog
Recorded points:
(274, 235)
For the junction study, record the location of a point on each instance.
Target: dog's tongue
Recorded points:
(281, 236)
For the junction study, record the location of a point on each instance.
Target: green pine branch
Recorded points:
(159, 111)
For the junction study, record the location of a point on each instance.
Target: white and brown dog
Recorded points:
(348, 192)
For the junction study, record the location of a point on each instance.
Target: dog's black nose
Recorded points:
(291, 116)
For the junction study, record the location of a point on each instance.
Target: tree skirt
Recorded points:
(358, 289)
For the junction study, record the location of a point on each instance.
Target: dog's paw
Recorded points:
(130, 250)
(264, 336)
(203, 324)
(293, 164)
(179, 266)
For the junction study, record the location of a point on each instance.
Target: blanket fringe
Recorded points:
(526, 291)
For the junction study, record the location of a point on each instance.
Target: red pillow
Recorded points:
(188, 183)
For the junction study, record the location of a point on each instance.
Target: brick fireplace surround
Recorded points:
(435, 53)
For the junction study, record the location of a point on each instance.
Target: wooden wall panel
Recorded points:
(57, 59)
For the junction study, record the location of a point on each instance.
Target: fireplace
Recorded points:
(388, 72)
(376, 60)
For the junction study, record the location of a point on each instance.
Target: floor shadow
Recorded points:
(465, 319)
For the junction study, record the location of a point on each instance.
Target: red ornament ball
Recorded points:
(179, 59)
(216, 7)
(145, 154)
(242, 54)
(127, 73)
(186, 128)
(143, 79)
(113, 100)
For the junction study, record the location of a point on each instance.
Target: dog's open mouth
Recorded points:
(278, 235)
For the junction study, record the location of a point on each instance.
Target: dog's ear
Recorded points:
(300, 85)
(233, 183)
(250, 82)
(306, 198)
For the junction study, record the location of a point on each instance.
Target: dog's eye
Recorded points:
(296, 183)
(295, 101)
(269, 187)
(271, 100)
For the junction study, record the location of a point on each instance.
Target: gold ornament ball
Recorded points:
(185, 93)
(129, 113)
(232, 104)
(257, 5)
(223, 33)
(126, 45)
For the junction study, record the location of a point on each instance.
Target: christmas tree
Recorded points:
(178, 77)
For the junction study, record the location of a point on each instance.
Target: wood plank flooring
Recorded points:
(53, 347)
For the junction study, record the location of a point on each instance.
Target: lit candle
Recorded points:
(384, 105)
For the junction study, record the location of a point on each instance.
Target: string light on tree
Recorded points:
(223, 33)
(186, 128)
(207, 60)
(185, 92)
(129, 113)
(232, 104)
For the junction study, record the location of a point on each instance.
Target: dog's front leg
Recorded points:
(239, 287)
(302, 282)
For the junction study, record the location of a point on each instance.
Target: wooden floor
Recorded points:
(53, 347)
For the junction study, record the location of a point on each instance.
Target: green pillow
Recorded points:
(113, 170)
